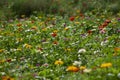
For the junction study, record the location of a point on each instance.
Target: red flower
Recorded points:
(8, 60)
(54, 34)
(89, 32)
(107, 21)
(104, 24)
(72, 18)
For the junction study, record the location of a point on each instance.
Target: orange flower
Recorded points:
(7, 78)
(106, 65)
(73, 69)
(19, 24)
(116, 49)
(72, 18)
(58, 62)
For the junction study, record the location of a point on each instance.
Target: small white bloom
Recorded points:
(110, 74)
(87, 70)
(103, 43)
(81, 51)
(118, 75)
(77, 63)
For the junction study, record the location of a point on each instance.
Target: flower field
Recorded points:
(81, 47)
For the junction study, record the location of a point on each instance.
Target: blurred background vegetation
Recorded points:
(15, 8)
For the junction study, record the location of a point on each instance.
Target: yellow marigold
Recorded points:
(34, 27)
(77, 22)
(58, 62)
(73, 69)
(68, 49)
(66, 28)
(7, 78)
(2, 61)
(82, 67)
(1, 50)
(105, 65)
(27, 46)
(55, 31)
(44, 29)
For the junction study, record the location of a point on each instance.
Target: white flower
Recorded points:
(103, 43)
(118, 75)
(87, 70)
(81, 51)
(77, 63)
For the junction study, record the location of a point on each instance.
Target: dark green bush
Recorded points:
(27, 7)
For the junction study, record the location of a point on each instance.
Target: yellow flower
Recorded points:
(82, 67)
(27, 46)
(58, 62)
(2, 61)
(34, 27)
(7, 78)
(55, 31)
(72, 69)
(68, 49)
(44, 29)
(66, 28)
(1, 50)
(77, 22)
(105, 65)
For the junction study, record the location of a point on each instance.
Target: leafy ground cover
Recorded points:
(81, 47)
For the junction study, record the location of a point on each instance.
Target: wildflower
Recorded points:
(82, 67)
(8, 60)
(77, 63)
(1, 50)
(55, 42)
(19, 24)
(2, 61)
(7, 78)
(66, 28)
(107, 21)
(34, 28)
(106, 65)
(116, 49)
(72, 69)
(81, 51)
(72, 18)
(58, 62)
(27, 46)
(54, 34)
(89, 31)
(55, 31)
(68, 49)
(103, 31)
(87, 70)
(44, 29)
(118, 75)
(77, 22)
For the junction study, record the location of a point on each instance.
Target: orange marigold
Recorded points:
(73, 69)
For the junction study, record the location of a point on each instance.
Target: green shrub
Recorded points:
(27, 7)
